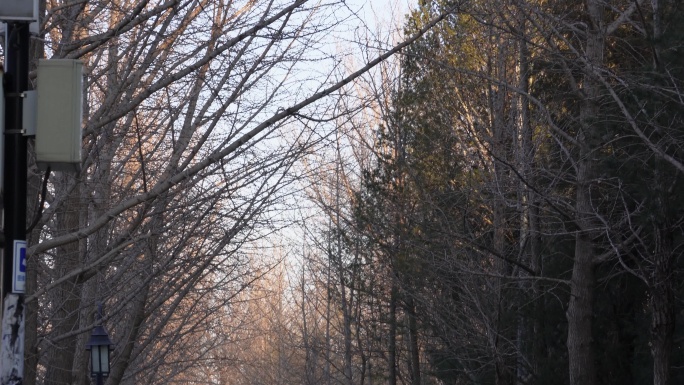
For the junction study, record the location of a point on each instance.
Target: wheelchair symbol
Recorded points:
(22, 260)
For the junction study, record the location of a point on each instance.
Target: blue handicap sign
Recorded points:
(19, 276)
(22, 260)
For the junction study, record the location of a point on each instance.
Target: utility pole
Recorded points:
(61, 81)
(14, 197)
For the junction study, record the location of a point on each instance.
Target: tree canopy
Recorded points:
(494, 198)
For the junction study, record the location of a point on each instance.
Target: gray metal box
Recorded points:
(18, 10)
(60, 98)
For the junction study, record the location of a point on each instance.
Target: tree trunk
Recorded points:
(531, 335)
(345, 302)
(392, 344)
(661, 298)
(67, 297)
(580, 313)
(346, 320)
(661, 301)
(124, 356)
(414, 359)
(580, 309)
(500, 141)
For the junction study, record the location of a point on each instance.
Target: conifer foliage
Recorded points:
(531, 190)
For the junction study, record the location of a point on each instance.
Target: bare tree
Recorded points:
(195, 112)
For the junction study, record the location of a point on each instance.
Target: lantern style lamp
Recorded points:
(99, 346)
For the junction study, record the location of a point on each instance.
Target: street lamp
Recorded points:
(99, 346)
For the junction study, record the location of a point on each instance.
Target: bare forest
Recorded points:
(282, 192)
